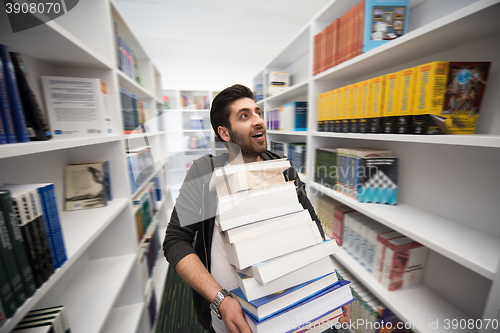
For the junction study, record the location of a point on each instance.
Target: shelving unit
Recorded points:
(448, 185)
(182, 150)
(101, 284)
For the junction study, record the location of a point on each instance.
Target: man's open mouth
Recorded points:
(258, 134)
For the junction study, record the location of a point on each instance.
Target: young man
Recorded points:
(237, 120)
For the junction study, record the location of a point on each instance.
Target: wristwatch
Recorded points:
(214, 306)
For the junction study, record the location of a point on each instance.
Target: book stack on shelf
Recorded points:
(21, 116)
(195, 102)
(370, 23)
(364, 174)
(295, 151)
(144, 210)
(134, 113)
(31, 238)
(441, 97)
(285, 272)
(288, 117)
(45, 320)
(126, 60)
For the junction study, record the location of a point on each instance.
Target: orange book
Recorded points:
(335, 44)
(328, 46)
(315, 55)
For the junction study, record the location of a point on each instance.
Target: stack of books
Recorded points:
(286, 275)
(46, 320)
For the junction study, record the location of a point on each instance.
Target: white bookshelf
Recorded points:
(101, 283)
(448, 184)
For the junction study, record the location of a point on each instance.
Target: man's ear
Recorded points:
(223, 133)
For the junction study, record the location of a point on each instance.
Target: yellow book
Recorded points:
(326, 116)
(346, 107)
(331, 111)
(364, 105)
(404, 99)
(355, 107)
(376, 104)
(338, 109)
(321, 111)
(389, 106)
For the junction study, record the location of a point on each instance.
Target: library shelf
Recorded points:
(124, 319)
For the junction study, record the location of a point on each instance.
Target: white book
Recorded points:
(266, 226)
(255, 205)
(270, 270)
(369, 245)
(273, 244)
(350, 223)
(378, 263)
(76, 106)
(253, 289)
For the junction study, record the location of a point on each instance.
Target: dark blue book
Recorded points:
(5, 112)
(3, 137)
(334, 297)
(16, 105)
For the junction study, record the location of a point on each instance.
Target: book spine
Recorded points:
(3, 136)
(56, 226)
(6, 115)
(6, 295)
(9, 260)
(16, 238)
(14, 97)
(32, 110)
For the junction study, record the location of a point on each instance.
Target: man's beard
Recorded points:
(248, 147)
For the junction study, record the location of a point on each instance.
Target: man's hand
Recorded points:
(232, 315)
(346, 317)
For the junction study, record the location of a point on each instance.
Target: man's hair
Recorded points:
(220, 111)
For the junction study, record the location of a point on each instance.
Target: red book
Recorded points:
(338, 223)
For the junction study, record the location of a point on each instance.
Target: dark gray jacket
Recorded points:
(193, 217)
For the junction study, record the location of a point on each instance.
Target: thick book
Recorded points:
(255, 205)
(338, 295)
(272, 269)
(35, 119)
(270, 305)
(84, 187)
(379, 183)
(253, 250)
(16, 107)
(247, 175)
(6, 295)
(266, 226)
(5, 111)
(17, 240)
(76, 106)
(326, 322)
(48, 313)
(380, 249)
(253, 289)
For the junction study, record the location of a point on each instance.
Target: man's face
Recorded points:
(248, 129)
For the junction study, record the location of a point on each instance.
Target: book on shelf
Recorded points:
(278, 81)
(339, 226)
(404, 263)
(84, 186)
(36, 122)
(380, 249)
(253, 289)
(77, 106)
(326, 213)
(140, 165)
(325, 168)
(271, 304)
(379, 184)
(44, 200)
(5, 109)
(13, 97)
(9, 227)
(151, 305)
(53, 321)
(58, 312)
(338, 295)
(6, 294)
(274, 268)
(273, 244)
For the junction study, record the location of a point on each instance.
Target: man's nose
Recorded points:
(258, 120)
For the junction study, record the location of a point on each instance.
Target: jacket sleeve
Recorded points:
(291, 173)
(185, 219)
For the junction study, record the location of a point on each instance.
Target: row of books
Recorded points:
(126, 59)
(195, 142)
(394, 260)
(289, 117)
(441, 97)
(145, 206)
(295, 151)
(140, 165)
(195, 102)
(286, 276)
(21, 116)
(150, 248)
(364, 174)
(87, 185)
(46, 320)
(366, 25)
(134, 113)
(31, 243)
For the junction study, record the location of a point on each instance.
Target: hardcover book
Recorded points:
(84, 186)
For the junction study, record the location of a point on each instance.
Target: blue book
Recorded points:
(299, 116)
(3, 137)
(334, 297)
(5, 113)
(384, 20)
(269, 305)
(16, 106)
